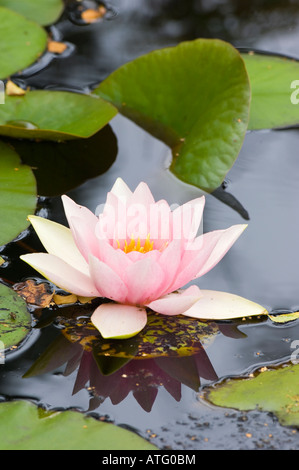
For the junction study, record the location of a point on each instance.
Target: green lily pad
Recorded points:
(54, 115)
(194, 97)
(44, 13)
(274, 391)
(17, 194)
(22, 42)
(24, 426)
(274, 98)
(15, 320)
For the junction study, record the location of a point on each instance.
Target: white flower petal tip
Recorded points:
(215, 305)
(121, 189)
(176, 303)
(117, 321)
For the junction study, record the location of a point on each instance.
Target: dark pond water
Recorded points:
(158, 401)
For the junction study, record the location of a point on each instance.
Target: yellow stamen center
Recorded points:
(134, 245)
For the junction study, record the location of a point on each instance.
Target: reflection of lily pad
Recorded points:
(274, 391)
(15, 320)
(17, 194)
(163, 336)
(22, 42)
(195, 98)
(44, 12)
(54, 115)
(99, 153)
(24, 426)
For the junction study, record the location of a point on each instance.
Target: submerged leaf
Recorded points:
(196, 101)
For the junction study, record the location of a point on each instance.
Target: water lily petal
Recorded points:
(170, 261)
(72, 209)
(62, 274)
(82, 223)
(112, 220)
(84, 237)
(187, 219)
(116, 259)
(215, 305)
(226, 241)
(119, 321)
(121, 190)
(58, 241)
(145, 279)
(142, 195)
(208, 250)
(176, 303)
(108, 283)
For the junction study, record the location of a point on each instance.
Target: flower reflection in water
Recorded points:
(138, 365)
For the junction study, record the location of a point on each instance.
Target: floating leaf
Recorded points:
(17, 194)
(274, 391)
(24, 426)
(54, 115)
(99, 152)
(284, 317)
(44, 13)
(22, 42)
(194, 97)
(15, 320)
(274, 98)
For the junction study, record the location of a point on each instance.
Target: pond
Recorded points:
(164, 398)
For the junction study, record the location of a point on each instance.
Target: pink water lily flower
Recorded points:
(138, 253)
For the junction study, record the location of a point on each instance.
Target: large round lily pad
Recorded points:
(54, 115)
(195, 97)
(24, 426)
(22, 42)
(44, 12)
(15, 320)
(17, 194)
